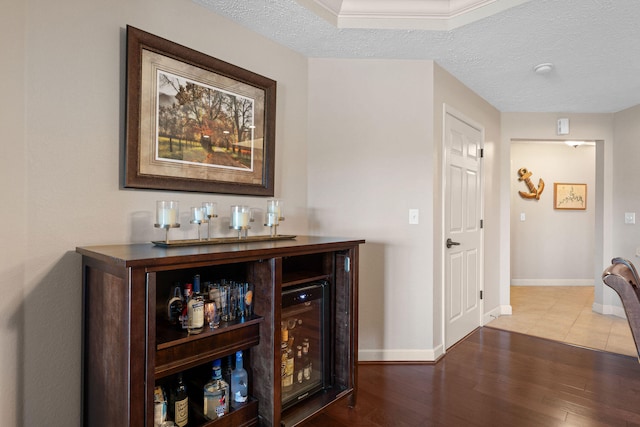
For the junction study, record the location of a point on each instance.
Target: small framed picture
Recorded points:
(569, 196)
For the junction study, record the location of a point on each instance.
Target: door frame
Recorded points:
(447, 109)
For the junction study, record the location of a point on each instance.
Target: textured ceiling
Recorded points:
(593, 44)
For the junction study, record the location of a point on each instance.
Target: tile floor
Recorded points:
(564, 313)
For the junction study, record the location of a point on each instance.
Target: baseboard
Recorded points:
(404, 355)
(551, 282)
(492, 315)
(613, 310)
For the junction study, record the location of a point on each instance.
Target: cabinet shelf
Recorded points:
(243, 416)
(299, 277)
(186, 351)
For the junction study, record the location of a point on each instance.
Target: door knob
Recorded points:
(451, 243)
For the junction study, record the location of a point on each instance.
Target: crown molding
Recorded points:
(439, 15)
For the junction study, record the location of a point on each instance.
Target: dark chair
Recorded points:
(622, 277)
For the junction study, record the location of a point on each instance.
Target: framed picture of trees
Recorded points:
(196, 123)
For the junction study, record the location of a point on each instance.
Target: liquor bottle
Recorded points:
(284, 335)
(228, 369)
(195, 309)
(179, 403)
(175, 305)
(184, 317)
(216, 394)
(299, 366)
(283, 370)
(287, 380)
(159, 406)
(306, 363)
(239, 383)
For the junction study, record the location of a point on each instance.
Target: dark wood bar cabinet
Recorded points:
(129, 347)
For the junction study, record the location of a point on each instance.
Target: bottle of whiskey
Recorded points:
(179, 403)
(239, 383)
(216, 394)
(287, 380)
(195, 309)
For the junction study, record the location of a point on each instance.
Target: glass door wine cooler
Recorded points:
(305, 349)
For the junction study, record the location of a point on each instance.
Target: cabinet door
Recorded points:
(346, 305)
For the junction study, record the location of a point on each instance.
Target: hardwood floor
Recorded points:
(497, 378)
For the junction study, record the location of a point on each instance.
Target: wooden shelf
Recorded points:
(188, 351)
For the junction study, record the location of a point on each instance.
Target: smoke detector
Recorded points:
(543, 68)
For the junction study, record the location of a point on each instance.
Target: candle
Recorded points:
(273, 206)
(166, 213)
(197, 214)
(272, 218)
(239, 216)
(209, 208)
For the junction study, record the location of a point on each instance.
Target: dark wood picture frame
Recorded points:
(567, 196)
(172, 145)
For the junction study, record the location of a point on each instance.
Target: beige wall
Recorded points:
(358, 145)
(451, 92)
(626, 188)
(64, 112)
(13, 214)
(375, 131)
(552, 247)
(371, 157)
(542, 126)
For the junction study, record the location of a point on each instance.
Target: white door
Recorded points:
(462, 243)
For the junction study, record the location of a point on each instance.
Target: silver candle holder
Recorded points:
(197, 217)
(210, 212)
(240, 218)
(167, 215)
(274, 215)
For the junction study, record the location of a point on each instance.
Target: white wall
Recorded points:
(552, 247)
(61, 163)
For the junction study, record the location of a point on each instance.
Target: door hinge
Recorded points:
(347, 264)
(482, 153)
(481, 294)
(482, 223)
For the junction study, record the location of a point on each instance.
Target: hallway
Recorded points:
(563, 313)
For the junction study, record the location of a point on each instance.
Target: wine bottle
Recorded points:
(216, 394)
(179, 405)
(239, 383)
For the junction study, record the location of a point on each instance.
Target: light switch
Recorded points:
(629, 217)
(522, 216)
(413, 216)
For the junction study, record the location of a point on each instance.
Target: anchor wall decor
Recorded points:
(534, 193)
